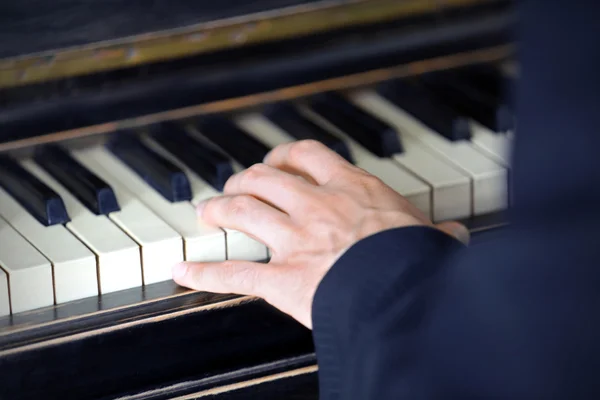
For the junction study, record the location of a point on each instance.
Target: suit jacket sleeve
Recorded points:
(411, 314)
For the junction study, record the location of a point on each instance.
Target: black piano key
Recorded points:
(493, 81)
(469, 100)
(226, 135)
(88, 188)
(291, 120)
(158, 172)
(209, 164)
(485, 77)
(424, 106)
(43, 203)
(378, 137)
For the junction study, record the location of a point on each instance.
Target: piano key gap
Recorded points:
(9, 292)
(431, 187)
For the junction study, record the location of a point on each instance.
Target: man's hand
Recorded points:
(308, 205)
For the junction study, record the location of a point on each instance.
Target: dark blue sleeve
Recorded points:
(411, 314)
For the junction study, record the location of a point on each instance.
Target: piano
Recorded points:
(117, 117)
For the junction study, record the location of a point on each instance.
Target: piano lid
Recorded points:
(41, 40)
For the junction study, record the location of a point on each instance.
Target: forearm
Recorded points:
(512, 318)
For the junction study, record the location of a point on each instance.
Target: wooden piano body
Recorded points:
(76, 72)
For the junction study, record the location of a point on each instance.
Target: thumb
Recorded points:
(456, 230)
(239, 277)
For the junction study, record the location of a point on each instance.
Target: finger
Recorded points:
(249, 215)
(307, 158)
(239, 277)
(280, 285)
(271, 185)
(456, 230)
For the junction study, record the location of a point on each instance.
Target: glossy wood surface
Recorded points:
(33, 26)
(294, 377)
(302, 384)
(105, 311)
(101, 104)
(138, 357)
(42, 41)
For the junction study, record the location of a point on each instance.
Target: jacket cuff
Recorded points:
(381, 269)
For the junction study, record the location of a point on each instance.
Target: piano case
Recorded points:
(73, 71)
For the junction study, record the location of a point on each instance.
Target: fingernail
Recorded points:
(179, 271)
(462, 233)
(200, 208)
(265, 159)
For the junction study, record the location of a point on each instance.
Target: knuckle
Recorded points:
(299, 150)
(367, 185)
(210, 209)
(239, 277)
(274, 153)
(305, 233)
(255, 172)
(225, 272)
(240, 205)
(249, 177)
(232, 182)
(369, 182)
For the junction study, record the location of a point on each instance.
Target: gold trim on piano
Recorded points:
(211, 36)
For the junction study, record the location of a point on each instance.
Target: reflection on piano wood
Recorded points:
(239, 24)
(299, 383)
(98, 190)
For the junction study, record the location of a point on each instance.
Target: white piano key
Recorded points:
(239, 245)
(499, 147)
(413, 189)
(4, 298)
(118, 256)
(495, 145)
(161, 246)
(73, 264)
(417, 192)
(489, 179)
(201, 241)
(451, 190)
(451, 187)
(263, 129)
(29, 272)
(234, 236)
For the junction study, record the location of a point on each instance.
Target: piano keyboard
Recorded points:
(77, 223)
